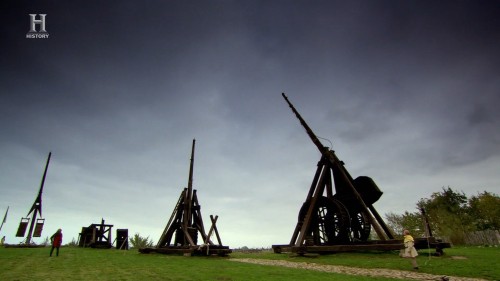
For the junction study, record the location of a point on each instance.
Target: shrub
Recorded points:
(137, 241)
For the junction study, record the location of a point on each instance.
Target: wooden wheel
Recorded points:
(329, 224)
(360, 227)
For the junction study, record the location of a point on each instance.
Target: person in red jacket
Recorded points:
(56, 240)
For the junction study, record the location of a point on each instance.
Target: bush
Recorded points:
(137, 241)
(72, 243)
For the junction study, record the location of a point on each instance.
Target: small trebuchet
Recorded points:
(96, 235)
(36, 225)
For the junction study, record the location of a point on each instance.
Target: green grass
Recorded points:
(478, 262)
(96, 264)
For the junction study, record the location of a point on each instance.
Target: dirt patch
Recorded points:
(458, 258)
(375, 272)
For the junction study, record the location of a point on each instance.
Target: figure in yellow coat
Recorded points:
(410, 252)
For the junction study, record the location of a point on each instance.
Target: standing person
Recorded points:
(410, 252)
(56, 240)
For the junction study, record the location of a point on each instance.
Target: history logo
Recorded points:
(39, 22)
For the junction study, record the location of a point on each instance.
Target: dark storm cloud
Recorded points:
(406, 92)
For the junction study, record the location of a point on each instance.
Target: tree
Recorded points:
(46, 241)
(451, 214)
(448, 213)
(412, 221)
(485, 209)
(395, 222)
(137, 241)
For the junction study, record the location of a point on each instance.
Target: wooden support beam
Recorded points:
(212, 227)
(307, 220)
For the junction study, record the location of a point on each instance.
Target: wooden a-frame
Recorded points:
(185, 224)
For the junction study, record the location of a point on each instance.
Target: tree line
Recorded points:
(450, 214)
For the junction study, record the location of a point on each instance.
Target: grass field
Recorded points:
(97, 264)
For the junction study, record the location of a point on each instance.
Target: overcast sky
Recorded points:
(408, 92)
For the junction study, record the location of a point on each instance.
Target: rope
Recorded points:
(331, 144)
(428, 250)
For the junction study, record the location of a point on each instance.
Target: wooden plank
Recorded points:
(212, 250)
(375, 245)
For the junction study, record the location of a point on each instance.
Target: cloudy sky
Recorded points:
(406, 91)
